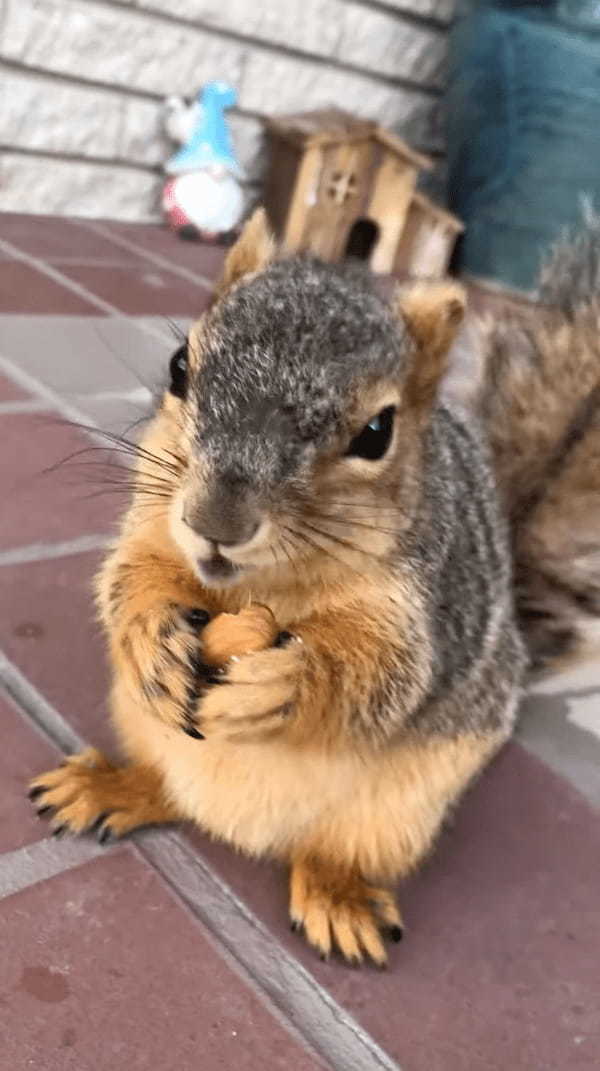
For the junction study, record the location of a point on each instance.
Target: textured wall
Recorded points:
(83, 82)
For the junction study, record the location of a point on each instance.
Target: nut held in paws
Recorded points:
(253, 629)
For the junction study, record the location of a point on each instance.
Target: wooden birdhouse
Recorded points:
(427, 240)
(339, 186)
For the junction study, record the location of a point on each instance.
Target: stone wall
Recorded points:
(83, 83)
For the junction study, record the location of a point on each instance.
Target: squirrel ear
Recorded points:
(433, 313)
(254, 249)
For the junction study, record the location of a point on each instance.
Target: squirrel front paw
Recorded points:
(161, 661)
(255, 697)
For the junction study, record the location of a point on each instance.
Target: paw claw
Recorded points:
(98, 822)
(201, 669)
(197, 618)
(282, 638)
(36, 791)
(58, 831)
(396, 933)
(41, 811)
(189, 729)
(105, 835)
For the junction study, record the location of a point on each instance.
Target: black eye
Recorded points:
(373, 441)
(178, 372)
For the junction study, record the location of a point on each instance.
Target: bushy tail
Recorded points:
(540, 402)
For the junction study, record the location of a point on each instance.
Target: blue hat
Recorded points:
(210, 144)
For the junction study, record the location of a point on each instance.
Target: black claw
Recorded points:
(202, 671)
(43, 810)
(98, 822)
(323, 957)
(189, 729)
(197, 618)
(35, 792)
(295, 926)
(104, 835)
(396, 933)
(282, 638)
(59, 829)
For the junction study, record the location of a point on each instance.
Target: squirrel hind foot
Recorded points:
(342, 911)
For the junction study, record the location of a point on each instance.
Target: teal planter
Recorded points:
(523, 131)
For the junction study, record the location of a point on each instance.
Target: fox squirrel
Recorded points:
(310, 607)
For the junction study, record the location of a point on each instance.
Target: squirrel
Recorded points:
(310, 607)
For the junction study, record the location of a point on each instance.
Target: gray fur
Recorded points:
(545, 452)
(459, 546)
(284, 355)
(570, 277)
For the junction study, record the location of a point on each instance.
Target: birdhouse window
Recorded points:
(342, 187)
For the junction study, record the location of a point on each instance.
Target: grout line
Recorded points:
(76, 288)
(137, 396)
(149, 169)
(405, 14)
(71, 413)
(52, 400)
(37, 709)
(154, 258)
(44, 859)
(280, 48)
(24, 405)
(58, 277)
(311, 1010)
(329, 1028)
(37, 552)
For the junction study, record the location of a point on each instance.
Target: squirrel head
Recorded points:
(296, 411)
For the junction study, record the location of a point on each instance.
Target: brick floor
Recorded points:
(9, 391)
(139, 290)
(172, 951)
(49, 630)
(24, 750)
(25, 290)
(105, 970)
(62, 486)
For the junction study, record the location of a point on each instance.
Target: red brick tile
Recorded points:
(54, 237)
(48, 628)
(9, 391)
(198, 257)
(141, 291)
(499, 967)
(45, 496)
(23, 289)
(24, 753)
(103, 969)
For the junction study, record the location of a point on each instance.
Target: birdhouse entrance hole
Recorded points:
(362, 239)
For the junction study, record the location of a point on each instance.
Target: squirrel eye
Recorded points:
(178, 372)
(372, 442)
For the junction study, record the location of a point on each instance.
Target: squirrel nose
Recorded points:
(227, 530)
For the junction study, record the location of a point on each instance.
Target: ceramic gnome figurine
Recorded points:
(203, 197)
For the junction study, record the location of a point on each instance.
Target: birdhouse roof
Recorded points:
(429, 208)
(330, 125)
